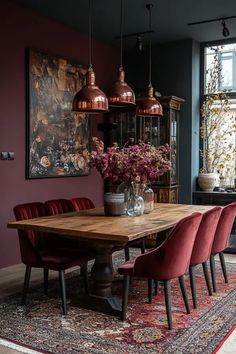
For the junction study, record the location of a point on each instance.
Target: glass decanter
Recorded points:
(135, 204)
(148, 196)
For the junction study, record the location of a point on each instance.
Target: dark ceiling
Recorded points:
(170, 18)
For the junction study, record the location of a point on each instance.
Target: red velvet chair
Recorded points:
(221, 239)
(169, 261)
(202, 248)
(82, 203)
(58, 206)
(41, 251)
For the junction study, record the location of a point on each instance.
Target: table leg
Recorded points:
(100, 298)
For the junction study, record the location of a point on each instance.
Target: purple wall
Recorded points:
(19, 29)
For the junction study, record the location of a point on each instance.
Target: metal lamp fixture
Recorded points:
(121, 94)
(90, 99)
(149, 106)
(225, 30)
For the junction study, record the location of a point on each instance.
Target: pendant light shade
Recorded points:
(148, 105)
(90, 99)
(121, 94)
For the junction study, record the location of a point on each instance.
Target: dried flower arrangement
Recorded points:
(141, 163)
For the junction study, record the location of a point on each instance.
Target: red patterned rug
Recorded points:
(41, 326)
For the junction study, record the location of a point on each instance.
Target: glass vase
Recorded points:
(148, 196)
(135, 203)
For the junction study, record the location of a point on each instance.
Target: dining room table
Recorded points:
(104, 235)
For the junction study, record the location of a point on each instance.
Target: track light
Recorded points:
(139, 43)
(225, 30)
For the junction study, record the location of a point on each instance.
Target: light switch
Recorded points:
(11, 155)
(4, 155)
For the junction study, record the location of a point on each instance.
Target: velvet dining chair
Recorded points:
(202, 248)
(58, 206)
(221, 239)
(41, 250)
(164, 263)
(82, 203)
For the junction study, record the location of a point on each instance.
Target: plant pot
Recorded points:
(208, 181)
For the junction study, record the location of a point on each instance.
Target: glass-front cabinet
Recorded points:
(122, 126)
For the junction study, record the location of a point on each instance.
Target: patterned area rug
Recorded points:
(41, 326)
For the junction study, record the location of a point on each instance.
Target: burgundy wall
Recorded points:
(19, 29)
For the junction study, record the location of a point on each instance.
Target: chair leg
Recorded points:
(167, 289)
(150, 287)
(143, 249)
(156, 287)
(63, 290)
(213, 272)
(84, 274)
(26, 284)
(207, 278)
(184, 293)
(127, 253)
(222, 262)
(193, 285)
(45, 279)
(125, 296)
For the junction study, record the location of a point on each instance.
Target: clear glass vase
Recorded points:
(135, 203)
(148, 196)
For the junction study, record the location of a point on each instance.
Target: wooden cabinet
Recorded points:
(121, 126)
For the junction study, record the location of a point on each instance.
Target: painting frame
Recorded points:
(57, 139)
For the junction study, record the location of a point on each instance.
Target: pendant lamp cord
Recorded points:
(90, 34)
(121, 34)
(149, 6)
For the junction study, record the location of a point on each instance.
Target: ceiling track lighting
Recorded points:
(149, 106)
(121, 94)
(90, 99)
(225, 30)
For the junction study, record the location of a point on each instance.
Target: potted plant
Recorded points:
(216, 131)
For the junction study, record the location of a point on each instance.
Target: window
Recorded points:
(219, 78)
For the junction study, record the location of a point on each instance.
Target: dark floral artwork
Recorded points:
(57, 138)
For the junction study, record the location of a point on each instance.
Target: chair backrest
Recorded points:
(172, 258)
(82, 203)
(58, 206)
(205, 236)
(224, 228)
(30, 241)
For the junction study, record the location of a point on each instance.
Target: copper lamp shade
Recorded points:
(149, 106)
(90, 99)
(120, 94)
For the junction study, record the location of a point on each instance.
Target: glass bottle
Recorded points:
(135, 204)
(148, 196)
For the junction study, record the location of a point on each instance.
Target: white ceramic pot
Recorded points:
(208, 181)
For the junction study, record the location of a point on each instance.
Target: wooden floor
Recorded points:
(11, 281)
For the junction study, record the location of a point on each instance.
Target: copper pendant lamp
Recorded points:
(90, 99)
(149, 106)
(121, 94)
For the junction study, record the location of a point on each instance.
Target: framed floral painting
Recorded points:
(57, 138)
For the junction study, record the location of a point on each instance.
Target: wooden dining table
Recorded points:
(103, 235)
